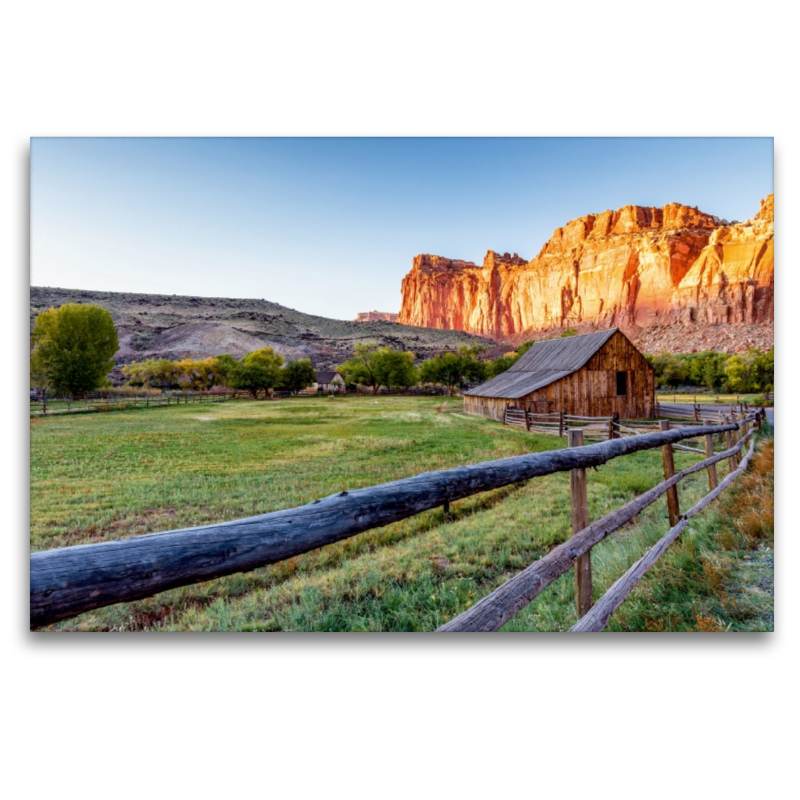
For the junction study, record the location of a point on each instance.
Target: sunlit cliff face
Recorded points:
(632, 268)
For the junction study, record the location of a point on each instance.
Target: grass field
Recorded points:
(96, 477)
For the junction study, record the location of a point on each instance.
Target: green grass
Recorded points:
(97, 477)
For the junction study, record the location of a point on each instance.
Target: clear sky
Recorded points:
(330, 226)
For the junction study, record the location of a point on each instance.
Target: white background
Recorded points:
(394, 716)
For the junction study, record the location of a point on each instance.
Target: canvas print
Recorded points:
(402, 384)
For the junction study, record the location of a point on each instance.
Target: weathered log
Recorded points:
(497, 608)
(597, 617)
(67, 581)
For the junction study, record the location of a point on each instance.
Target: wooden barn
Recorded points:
(596, 375)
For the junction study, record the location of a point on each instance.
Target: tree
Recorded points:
(201, 374)
(73, 347)
(669, 370)
(741, 371)
(297, 375)
(155, 372)
(226, 364)
(361, 368)
(394, 368)
(736, 374)
(764, 371)
(258, 371)
(501, 364)
(454, 369)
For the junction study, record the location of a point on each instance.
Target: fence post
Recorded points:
(712, 468)
(736, 437)
(673, 506)
(612, 423)
(580, 520)
(696, 411)
(729, 445)
(745, 431)
(527, 419)
(561, 421)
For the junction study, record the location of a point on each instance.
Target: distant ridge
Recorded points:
(177, 326)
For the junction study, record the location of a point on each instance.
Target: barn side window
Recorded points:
(622, 383)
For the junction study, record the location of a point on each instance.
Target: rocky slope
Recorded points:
(170, 326)
(672, 278)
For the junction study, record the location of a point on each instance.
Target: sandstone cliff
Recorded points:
(641, 269)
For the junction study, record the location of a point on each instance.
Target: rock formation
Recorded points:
(640, 269)
(375, 316)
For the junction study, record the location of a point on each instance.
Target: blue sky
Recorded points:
(330, 226)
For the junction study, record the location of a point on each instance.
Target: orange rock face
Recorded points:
(375, 316)
(635, 268)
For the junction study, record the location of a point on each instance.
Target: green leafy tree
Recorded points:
(395, 369)
(362, 367)
(669, 370)
(764, 371)
(259, 371)
(454, 369)
(736, 374)
(297, 375)
(226, 364)
(501, 364)
(712, 368)
(73, 348)
(741, 371)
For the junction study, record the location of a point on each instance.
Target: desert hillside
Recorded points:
(672, 278)
(173, 326)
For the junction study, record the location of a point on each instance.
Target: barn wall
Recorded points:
(592, 390)
(491, 407)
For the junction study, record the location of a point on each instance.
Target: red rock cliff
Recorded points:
(636, 268)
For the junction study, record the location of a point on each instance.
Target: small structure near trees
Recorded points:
(595, 375)
(328, 382)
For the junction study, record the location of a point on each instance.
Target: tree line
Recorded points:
(751, 371)
(375, 366)
(260, 371)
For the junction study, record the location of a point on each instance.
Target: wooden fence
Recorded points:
(497, 608)
(603, 428)
(67, 581)
(120, 402)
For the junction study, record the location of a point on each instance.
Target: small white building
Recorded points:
(328, 382)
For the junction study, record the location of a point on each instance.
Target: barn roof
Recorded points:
(325, 377)
(544, 363)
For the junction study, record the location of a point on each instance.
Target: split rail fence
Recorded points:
(68, 581)
(598, 429)
(120, 402)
